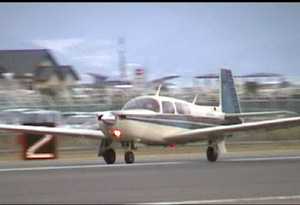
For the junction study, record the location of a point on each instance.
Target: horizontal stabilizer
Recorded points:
(257, 114)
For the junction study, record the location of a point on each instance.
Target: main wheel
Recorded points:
(211, 155)
(129, 157)
(109, 156)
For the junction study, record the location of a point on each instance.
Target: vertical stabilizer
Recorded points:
(228, 98)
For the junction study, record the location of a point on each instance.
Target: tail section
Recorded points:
(229, 102)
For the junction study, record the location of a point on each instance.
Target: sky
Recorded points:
(186, 39)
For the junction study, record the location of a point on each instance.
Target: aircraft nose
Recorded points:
(108, 118)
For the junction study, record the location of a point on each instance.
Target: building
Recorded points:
(35, 68)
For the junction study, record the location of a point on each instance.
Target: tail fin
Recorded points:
(229, 102)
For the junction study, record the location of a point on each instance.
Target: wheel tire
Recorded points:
(109, 156)
(129, 157)
(211, 155)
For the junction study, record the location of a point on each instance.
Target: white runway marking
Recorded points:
(87, 166)
(262, 159)
(138, 164)
(240, 200)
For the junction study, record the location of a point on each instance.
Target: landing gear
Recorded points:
(109, 156)
(129, 157)
(211, 154)
(106, 150)
(216, 146)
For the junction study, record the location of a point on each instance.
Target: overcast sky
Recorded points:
(188, 39)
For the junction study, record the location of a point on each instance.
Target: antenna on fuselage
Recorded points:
(194, 101)
(158, 90)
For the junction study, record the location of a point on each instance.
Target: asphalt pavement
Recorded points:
(254, 177)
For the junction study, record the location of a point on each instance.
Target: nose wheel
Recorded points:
(129, 157)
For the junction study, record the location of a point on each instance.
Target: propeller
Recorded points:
(108, 118)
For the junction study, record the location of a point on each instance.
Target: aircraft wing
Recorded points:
(204, 133)
(96, 134)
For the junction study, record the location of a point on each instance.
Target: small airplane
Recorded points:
(164, 121)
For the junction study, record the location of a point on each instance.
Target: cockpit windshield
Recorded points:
(142, 103)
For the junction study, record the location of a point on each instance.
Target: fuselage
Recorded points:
(147, 119)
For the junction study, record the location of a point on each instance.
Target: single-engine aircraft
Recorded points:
(163, 121)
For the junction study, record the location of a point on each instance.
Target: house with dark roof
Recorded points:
(35, 68)
(54, 75)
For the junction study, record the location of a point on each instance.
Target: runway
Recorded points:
(256, 177)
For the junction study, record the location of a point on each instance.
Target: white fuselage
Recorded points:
(147, 119)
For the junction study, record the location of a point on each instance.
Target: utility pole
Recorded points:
(121, 51)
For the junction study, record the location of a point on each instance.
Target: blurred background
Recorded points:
(66, 61)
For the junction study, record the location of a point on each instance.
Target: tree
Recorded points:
(251, 88)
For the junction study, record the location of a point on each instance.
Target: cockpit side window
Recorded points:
(168, 107)
(142, 103)
(182, 108)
